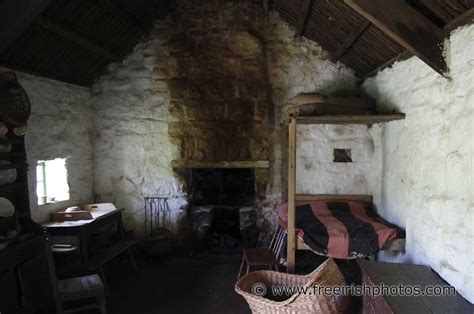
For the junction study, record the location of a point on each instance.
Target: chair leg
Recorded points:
(102, 304)
(104, 281)
(132, 259)
(241, 267)
(248, 268)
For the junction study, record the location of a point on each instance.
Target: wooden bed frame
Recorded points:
(395, 245)
(293, 242)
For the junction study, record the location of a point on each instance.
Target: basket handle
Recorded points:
(313, 276)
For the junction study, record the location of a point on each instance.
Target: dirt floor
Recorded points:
(202, 283)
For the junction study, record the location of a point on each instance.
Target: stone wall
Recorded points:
(60, 127)
(209, 84)
(133, 151)
(427, 185)
(218, 88)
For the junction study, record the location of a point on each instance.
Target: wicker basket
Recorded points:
(327, 274)
(15, 107)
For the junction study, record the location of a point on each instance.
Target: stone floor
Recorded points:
(203, 283)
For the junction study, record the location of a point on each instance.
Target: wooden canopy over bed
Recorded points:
(318, 109)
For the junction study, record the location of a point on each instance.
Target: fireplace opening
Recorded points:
(222, 209)
(232, 187)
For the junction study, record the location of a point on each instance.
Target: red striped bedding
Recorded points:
(341, 229)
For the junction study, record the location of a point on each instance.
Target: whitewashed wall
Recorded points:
(298, 65)
(428, 160)
(60, 127)
(133, 150)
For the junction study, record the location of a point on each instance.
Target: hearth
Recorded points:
(222, 209)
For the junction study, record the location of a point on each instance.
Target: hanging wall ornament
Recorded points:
(15, 106)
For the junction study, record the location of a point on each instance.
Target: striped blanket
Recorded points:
(341, 229)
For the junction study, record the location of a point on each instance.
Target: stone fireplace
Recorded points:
(223, 209)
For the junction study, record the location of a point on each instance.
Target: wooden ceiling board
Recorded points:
(330, 23)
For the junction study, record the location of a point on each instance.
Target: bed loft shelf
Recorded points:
(350, 119)
(238, 164)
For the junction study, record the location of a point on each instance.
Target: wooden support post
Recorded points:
(291, 245)
(406, 26)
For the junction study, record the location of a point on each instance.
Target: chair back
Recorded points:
(277, 241)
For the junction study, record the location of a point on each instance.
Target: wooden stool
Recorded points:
(258, 257)
(72, 289)
(83, 288)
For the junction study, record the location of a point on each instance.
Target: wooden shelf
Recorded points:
(15, 140)
(350, 119)
(12, 186)
(8, 155)
(17, 165)
(188, 164)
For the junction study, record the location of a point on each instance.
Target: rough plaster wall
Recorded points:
(300, 65)
(427, 160)
(133, 150)
(60, 127)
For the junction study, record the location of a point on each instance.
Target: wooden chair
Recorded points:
(263, 257)
(75, 289)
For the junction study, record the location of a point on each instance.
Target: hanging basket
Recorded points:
(15, 106)
(327, 274)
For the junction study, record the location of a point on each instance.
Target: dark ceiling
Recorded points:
(351, 38)
(74, 40)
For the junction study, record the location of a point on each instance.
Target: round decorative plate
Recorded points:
(7, 176)
(5, 147)
(6, 208)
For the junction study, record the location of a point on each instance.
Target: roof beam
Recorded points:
(115, 10)
(304, 18)
(16, 16)
(73, 37)
(464, 19)
(351, 39)
(406, 26)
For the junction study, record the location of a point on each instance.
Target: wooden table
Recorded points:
(84, 228)
(390, 274)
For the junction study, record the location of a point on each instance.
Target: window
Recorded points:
(342, 155)
(51, 181)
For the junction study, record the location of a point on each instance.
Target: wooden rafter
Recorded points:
(351, 39)
(16, 16)
(464, 19)
(406, 26)
(73, 37)
(304, 17)
(118, 12)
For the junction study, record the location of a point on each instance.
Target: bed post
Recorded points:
(291, 243)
